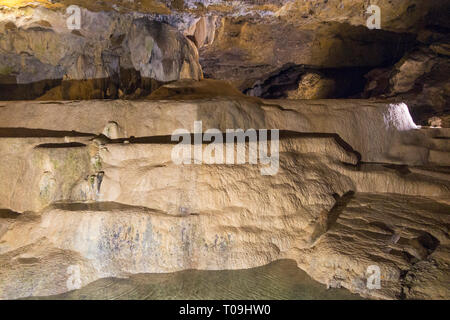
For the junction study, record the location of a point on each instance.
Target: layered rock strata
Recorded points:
(92, 186)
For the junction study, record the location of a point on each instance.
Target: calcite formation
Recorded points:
(110, 57)
(89, 188)
(84, 193)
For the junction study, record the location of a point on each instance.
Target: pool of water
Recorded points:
(278, 280)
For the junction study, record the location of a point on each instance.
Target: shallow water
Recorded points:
(278, 280)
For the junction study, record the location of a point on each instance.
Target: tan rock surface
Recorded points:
(119, 207)
(313, 86)
(89, 189)
(414, 267)
(239, 41)
(378, 131)
(41, 56)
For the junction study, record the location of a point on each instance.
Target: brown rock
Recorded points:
(313, 86)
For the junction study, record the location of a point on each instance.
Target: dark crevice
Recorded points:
(283, 134)
(327, 219)
(100, 206)
(129, 84)
(349, 81)
(400, 169)
(61, 145)
(404, 286)
(339, 206)
(382, 226)
(8, 214)
(39, 133)
(429, 242)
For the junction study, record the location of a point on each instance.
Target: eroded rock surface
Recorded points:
(239, 41)
(89, 189)
(111, 56)
(113, 205)
(421, 79)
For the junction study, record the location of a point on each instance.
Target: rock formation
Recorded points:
(88, 181)
(420, 78)
(117, 206)
(111, 52)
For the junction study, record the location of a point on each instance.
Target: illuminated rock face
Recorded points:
(127, 49)
(241, 41)
(116, 206)
(89, 189)
(110, 56)
(420, 78)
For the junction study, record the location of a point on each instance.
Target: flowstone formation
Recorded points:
(115, 205)
(89, 188)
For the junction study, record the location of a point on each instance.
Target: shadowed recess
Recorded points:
(41, 133)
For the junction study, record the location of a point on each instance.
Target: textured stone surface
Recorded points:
(363, 228)
(239, 41)
(90, 186)
(378, 131)
(119, 207)
(420, 78)
(110, 52)
(313, 86)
